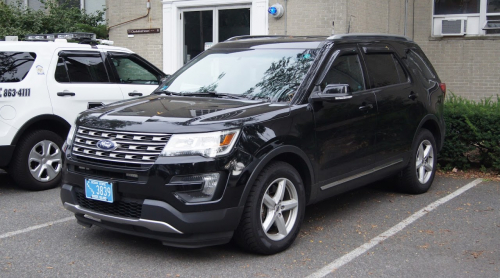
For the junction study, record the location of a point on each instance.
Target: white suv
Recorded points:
(44, 86)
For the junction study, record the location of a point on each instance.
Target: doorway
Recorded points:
(205, 27)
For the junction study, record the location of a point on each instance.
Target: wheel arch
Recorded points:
(53, 123)
(291, 155)
(431, 123)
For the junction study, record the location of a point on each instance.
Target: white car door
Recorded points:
(136, 76)
(79, 80)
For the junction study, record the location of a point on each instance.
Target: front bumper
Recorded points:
(158, 220)
(146, 202)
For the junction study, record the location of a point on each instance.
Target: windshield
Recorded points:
(264, 74)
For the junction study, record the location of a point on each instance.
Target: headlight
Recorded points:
(69, 139)
(210, 144)
(71, 134)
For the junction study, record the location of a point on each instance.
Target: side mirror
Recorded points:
(164, 78)
(332, 92)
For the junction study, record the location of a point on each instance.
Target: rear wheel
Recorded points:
(419, 174)
(274, 211)
(37, 162)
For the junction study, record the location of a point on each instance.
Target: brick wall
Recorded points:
(354, 16)
(470, 67)
(148, 46)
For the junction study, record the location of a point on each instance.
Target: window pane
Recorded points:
(35, 4)
(61, 74)
(401, 73)
(382, 70)
(70, 3)
(493, 6)
(130, 72)
(233, 22)
(456, 6)
(14, 66)
(345, 70)
(86, 69)
(92, 6)
(198, 30)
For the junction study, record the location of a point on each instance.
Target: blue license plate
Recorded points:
(99, 190)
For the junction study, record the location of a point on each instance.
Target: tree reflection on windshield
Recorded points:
(257, 74)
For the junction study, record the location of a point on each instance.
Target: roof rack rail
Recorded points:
(249, 37)
(355, 36)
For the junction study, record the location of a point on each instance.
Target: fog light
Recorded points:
(207, 191)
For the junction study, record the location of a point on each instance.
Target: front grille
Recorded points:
(133, 149)
(126, 207)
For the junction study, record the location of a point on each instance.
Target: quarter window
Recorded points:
(384, 70)
(345, 70)
(14, 66)
(81, 69)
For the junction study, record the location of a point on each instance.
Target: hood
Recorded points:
(180, 114)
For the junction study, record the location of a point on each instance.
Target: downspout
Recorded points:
(406, 16)
(148, 6)
(286, 14)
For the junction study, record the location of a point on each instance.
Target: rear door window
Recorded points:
(81, 67)
(14, 66)
(384, 70)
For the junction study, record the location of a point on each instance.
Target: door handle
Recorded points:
(135, 94)
(365, 107)
(413, 96)
(65, 93)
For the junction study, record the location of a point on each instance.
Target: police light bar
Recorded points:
(40, 37)
(76, 36)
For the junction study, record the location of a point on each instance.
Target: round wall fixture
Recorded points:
(7, 112)
(276, 10)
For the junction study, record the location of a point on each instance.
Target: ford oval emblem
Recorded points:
(107, 145)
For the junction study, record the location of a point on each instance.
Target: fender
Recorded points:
(266, 159)
(47, 117)
(442, 129)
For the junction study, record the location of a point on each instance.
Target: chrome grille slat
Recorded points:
(134, 149)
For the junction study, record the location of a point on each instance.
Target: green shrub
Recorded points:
(472, 133)
(17, 20)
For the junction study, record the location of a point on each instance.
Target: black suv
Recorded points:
(236, 143)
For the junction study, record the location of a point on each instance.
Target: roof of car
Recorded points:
(303, 41)
(53, 45)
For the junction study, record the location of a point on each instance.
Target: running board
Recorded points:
(357, 176)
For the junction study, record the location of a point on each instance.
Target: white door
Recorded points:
(79, 80)
(202, 28)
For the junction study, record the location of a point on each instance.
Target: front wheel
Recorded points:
(37, 163)
(274, 211)
(419, 174)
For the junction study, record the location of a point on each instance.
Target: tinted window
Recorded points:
(14, 66)
(418, 62)
(456, 7)
(401, 73)
(345, 70)
(383, 70)
(82, 69)
(130, 71)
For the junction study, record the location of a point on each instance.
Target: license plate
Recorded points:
(99, 190)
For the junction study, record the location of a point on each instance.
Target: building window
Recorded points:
(466, 17)
(456, 6)
(90, 6)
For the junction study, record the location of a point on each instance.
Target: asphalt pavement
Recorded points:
(451, 231)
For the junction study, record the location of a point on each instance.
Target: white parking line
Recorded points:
(29, 229)
(392, 231)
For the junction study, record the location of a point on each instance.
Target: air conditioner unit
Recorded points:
(453, 26)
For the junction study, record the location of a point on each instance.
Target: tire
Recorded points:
(37, 162)
(418, 176)
(258, 229)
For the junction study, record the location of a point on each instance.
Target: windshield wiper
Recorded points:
(168, 93)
